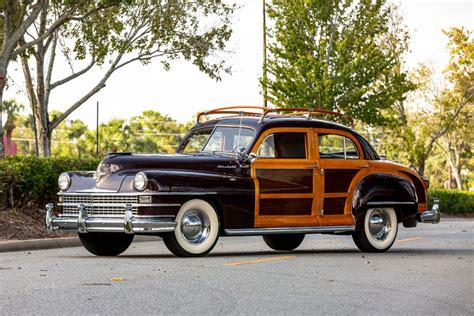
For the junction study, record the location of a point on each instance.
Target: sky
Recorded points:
(183, 91)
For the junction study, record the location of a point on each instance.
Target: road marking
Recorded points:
(410, 239)
(239, 263)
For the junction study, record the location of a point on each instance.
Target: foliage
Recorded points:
(11, 108)
(112, 34)
(337, 55)
(34, 180)
(453, 201)
(150, 132)
(436, 110)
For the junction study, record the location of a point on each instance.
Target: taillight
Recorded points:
(426, 182)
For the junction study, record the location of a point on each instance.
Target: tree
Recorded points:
(113, 36)
(435, 109)
(17, 18)
(336, 55)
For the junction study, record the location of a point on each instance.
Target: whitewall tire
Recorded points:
(197, 230)
(378, 230)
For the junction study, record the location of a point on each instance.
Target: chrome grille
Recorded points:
(98, 205)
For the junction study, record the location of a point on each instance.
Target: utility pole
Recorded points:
(264, 85)
(97, 131)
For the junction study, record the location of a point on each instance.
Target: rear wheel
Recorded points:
(283, 242)
(106, 244)
(377, 231)
(196, 231)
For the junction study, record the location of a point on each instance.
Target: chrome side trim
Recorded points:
(390, 203)
(288, 230)
(136, 193)
(118, 205)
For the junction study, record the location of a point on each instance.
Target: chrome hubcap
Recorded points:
(379, 225)
(195, 227)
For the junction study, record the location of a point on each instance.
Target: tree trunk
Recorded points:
(44, 142)
(456, 167)
(3, 78)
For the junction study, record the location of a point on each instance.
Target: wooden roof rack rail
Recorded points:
(307, 111)
(234, 110)
(263, 112)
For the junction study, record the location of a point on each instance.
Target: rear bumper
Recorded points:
(431, 216)
(129, 223)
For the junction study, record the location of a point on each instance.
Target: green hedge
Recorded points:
(35, 180)
(453, 202)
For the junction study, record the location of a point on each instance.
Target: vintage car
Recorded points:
(279, 173)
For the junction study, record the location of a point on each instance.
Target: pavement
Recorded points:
(50, 243)
(429, 270)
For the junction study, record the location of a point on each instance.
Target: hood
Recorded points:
(116, 168)
(141, 162)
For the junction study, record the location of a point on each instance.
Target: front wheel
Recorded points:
(106, 244)
(283, 242)
(378, 230)
(196, 231)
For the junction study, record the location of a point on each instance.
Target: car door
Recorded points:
(341, 158)
(286, 191)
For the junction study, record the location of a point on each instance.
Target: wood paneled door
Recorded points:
(341, 159)
(287, 178)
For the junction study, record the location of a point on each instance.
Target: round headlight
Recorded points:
(140, 182)
(64, 181)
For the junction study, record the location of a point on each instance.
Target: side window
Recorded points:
(283, 145)
(332, 146)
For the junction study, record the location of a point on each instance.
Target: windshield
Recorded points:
(221, 139)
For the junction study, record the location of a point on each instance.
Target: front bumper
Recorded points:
(129, 223)
(431, 216)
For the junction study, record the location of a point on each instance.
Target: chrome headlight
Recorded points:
(64, 181)
(140, 182)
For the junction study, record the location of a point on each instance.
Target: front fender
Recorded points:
(231, 193)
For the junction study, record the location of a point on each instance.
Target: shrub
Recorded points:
(35, 180)
(453, 201)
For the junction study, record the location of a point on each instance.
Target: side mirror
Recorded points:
(251, 158)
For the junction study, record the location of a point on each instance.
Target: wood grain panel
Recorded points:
(334, 206)
(338, 180)
(285, 180)
(285, 206)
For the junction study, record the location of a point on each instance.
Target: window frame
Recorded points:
(302, 130)
(351, 137)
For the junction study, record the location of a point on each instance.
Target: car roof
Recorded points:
(287, 121)
(274, 121)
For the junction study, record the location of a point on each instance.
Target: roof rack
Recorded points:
(294, 111)
(243, 110)
(240, 110)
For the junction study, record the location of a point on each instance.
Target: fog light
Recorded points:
(144, 199)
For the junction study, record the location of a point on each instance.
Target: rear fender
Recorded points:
(385, 190)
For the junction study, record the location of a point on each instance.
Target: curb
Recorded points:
(53, 243)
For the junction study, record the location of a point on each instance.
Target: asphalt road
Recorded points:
(429, 270)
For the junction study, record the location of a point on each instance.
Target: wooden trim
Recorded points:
(335, 195)
(282, 163)
(287, 195)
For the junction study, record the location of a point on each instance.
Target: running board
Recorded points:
(289, 230)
